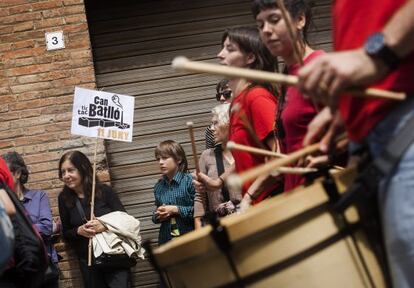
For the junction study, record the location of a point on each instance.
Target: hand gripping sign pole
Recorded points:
(102, 115)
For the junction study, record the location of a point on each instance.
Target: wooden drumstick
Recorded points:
(193, 146)
(236, 181)
(292, 35)
(182, 63)
(295, 170)
(232, 145)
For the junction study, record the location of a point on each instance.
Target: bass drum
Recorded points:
(292, 240)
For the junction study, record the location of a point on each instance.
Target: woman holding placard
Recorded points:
(75, 170)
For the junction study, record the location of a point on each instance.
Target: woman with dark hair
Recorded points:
(36, 203)
(242, 47)
(295, 112)
(75, 170)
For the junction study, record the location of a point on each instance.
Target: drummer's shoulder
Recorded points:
(259, 91)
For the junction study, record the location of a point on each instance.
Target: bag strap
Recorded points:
(80, 209)
(218, 153)
(395, 149)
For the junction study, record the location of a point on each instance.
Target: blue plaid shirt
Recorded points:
(179, 192)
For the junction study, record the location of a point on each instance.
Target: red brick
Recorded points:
(9, 19)
(11, 134)
(47, 5)
(43, 176)
(79, 43)
(29, 16)
(56, 23)
(6, 30)
(4, 108)
(42, 157)
(40, 167)
(31, 87)
(34, 130)
(24, 62)
(76, 28)
(72, 2)
(6, 3)
(8, 99)
(36, 139)
(10, 116)
(75, 9)
(5, 47)
(51, 13)
(23, 26)
(6, 144)
(24, 44)
(29, 69)
(20, 9)
(4, 90)
(4, 12)
(79, 18)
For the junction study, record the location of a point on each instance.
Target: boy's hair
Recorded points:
(294, 7)
(170, 148)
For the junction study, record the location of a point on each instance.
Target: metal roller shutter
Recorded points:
(133, 45)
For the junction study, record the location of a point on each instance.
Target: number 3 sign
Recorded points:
(54, 40)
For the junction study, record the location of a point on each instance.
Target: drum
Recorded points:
(291, 240)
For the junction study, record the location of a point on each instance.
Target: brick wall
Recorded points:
(36, 93)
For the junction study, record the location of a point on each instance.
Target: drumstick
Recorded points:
(193, 146)
(182, 63)
(295, 170)
(232, 145)
(236, 181)
(292, 35)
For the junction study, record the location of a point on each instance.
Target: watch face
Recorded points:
(374, 43)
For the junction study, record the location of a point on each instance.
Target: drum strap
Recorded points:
(218, 153)
(221, 238)
(152, 259)
(363, 192)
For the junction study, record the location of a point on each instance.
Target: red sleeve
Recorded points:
(262, 106)
(5, 175)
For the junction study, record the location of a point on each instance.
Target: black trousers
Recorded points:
(96, 278)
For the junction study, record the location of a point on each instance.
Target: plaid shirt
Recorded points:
(179, 192)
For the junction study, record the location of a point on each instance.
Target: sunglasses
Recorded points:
(226, 94)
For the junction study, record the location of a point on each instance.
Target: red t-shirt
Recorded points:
(296, 115)
(354, 22)
(5, 175)
(260, 107)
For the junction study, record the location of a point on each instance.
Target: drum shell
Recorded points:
(268, 234)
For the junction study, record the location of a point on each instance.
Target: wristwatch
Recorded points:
(376, 48)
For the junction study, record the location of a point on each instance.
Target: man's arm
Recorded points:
(325, 78)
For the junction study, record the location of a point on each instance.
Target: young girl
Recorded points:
(242, 47)
(295, 112)
(173, 193)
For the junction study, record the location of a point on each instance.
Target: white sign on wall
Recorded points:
(54, 40)
(103, 115)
